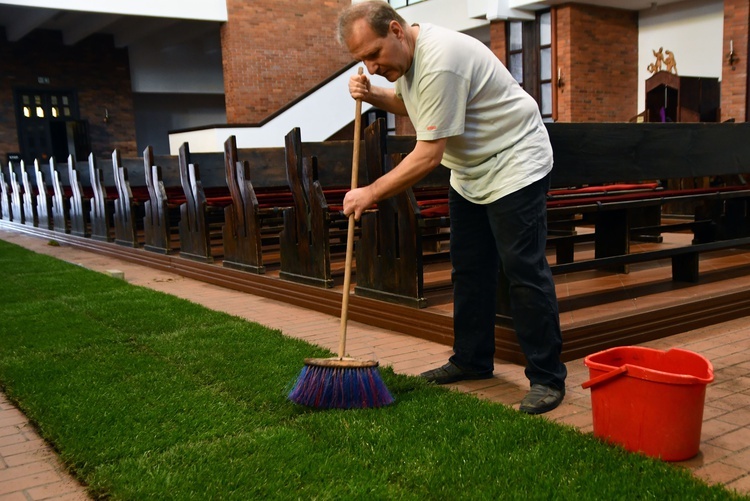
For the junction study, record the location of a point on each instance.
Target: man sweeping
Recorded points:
(472, 117)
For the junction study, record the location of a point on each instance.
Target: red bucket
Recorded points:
(648, 400)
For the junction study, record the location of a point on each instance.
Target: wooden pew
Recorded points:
(129, 205)
(80, 200)
(16, 194)
(102, 203)
(202, 214)
(162, 210)
(28, 198)
(631, 211)
(243, 247)
(207, 196)
(91, 200)
(60, 200)
(252, 222)
(391, 257)
(221, 213)
(314, 220)
(598, 154)
(611, 153)
(389, 266)
(43, 201)
(5, 194)
(146, 210)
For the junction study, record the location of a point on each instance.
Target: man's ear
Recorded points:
(396, 29)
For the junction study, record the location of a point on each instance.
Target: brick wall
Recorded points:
(597, 52)
(734, 81)
(274, 51)
(561, 32)
(498, 43)
(98, 71)
(8, 134)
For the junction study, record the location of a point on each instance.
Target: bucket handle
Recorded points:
(605, 377)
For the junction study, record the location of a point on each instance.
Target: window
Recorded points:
(397, 4)
(530, 58)
(44, 104)
(545, 64)
(48, 125)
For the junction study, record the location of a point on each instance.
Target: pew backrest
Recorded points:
(597, 153)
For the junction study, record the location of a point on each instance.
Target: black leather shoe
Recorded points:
(450, 373)
(541, 399)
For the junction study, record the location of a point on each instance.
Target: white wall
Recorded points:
(206, 10)
(192, 67)
(693, 30)
(452, 14)
(157, 114)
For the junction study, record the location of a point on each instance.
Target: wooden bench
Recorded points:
(252, 222)
(91, 202)
(685, 259)
(599, 154)
(5, 194)
(618, 219)
(611, 153)
(129, 205)
(619, 207)
(201, 215)
(80, 199)
(102, 201)
(146, 208)
(208, 199)
(391, 256)
(162, 209)
(16, 194)
(28, 197)
(314, 227)
(60, 200)
(44, 195)
(228, 219)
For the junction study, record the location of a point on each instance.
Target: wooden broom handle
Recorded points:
(350, 233)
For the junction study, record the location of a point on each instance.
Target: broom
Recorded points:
(341, 382)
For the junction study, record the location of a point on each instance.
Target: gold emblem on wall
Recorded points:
(665, 61)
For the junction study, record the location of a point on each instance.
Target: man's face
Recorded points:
(389, 56)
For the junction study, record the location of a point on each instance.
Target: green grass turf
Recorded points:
(147, 396)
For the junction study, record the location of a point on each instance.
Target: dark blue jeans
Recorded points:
(511, 233)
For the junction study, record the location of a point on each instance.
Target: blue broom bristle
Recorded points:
(340, 388)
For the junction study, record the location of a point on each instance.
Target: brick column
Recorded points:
(597, 51)
(498, 43)
(734, 83)
(562, 19)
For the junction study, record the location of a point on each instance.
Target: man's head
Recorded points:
(375, 34)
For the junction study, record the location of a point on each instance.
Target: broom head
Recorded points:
(340, 383)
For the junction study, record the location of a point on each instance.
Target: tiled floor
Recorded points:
(725, 442)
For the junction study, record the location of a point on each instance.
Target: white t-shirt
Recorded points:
(458, 89)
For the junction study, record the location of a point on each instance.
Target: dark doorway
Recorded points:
(49, 125)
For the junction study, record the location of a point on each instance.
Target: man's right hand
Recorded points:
(359, 86)
(357, 201)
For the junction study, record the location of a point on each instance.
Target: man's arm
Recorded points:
(386, 99)
(416, 165)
